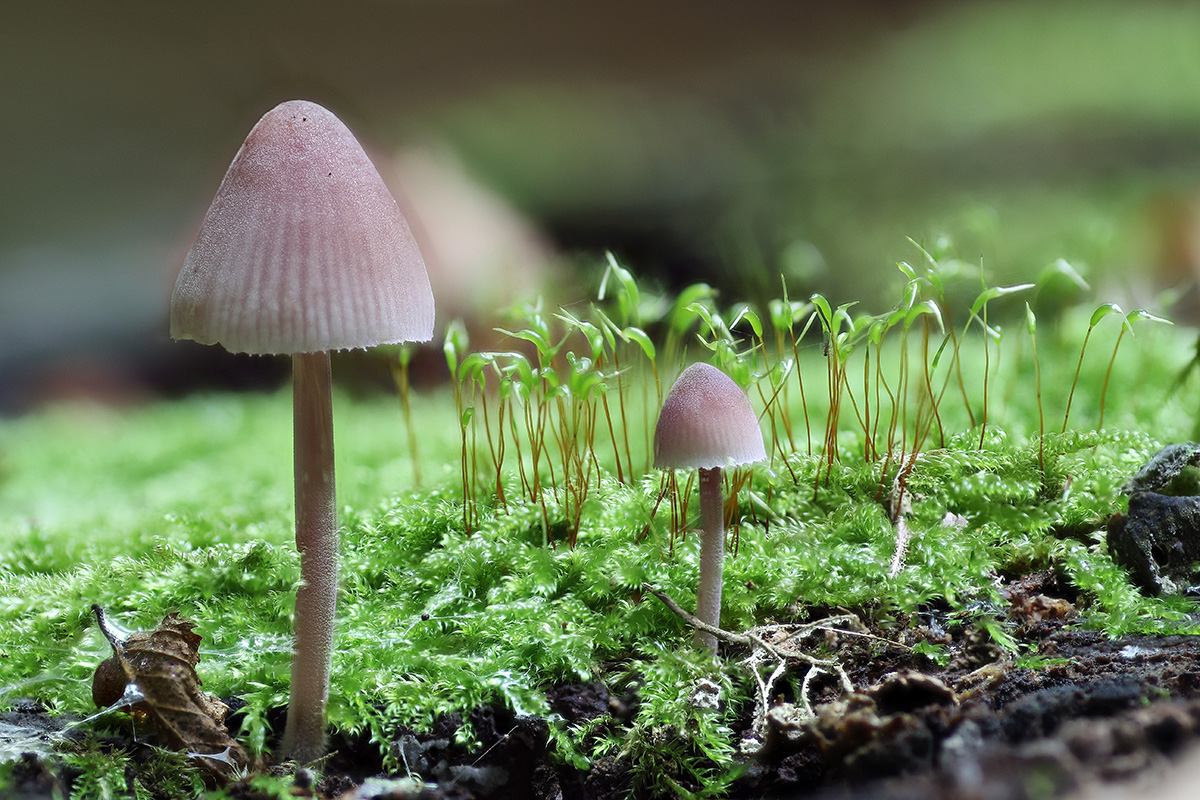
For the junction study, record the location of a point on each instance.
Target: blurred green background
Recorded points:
(698, 140)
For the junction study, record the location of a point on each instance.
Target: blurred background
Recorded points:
(728, 142)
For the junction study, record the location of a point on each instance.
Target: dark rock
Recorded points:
(1158, 541)
(1174, 470)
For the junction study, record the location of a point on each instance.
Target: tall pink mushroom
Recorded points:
(706, 423)
(304, 251)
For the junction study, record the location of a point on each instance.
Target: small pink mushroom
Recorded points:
(304, 251)
(706, 423)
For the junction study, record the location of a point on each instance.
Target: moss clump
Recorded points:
(519, 565)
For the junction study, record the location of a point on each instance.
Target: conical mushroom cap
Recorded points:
(706, 421)
(303, 249)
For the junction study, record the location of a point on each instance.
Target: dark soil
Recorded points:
(1077, 710)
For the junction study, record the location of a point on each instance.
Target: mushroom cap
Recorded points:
(706, 421)
(303, 248)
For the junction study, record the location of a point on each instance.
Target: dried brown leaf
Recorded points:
(153, 673)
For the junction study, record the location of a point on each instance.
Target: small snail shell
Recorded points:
(108, 683)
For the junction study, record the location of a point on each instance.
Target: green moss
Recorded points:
(452, 597)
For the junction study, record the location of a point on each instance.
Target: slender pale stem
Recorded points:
(712, 555)
(316, 539)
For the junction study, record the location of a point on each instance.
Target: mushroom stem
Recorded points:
(712, 555)
(316, 539)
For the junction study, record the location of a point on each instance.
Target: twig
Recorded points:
(809, 711)
(828, 626)
(693, 620)
(843, 632)
(762, 652)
